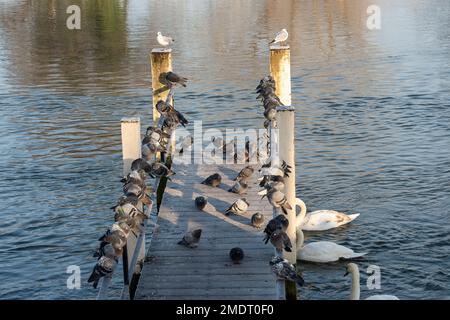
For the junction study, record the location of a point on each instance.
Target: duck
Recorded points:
(322, 251)
(353, 269)
(321, 220)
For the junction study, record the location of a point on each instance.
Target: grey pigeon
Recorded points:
(257, 220)
(278, 200)
(191, 238)
(169, 111)
(286, 271)
(280, 222)
(245, 173)
(280, 240)
(105, 266)
(213, 180)
(172, 79)
(240, 187)
(240, 206)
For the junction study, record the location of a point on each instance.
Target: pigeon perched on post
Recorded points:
(172, 79)
(191, 238)
(280, 222)
(286, 271)
(169, 111)
(105, 266)
(276, 198)
(236, 255)
(200, 202)
(157, 169)
(213, 180)
(280, 240)
(257, 220)
(240, 206)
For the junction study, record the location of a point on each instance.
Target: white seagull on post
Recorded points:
(280, 37)
(163, 40)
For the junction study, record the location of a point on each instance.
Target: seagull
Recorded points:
(200, 202)
(257, 220)
(191, 238)
(245, 173)
(284, 270)
(240, 187)
(281, 240)
(164, 40)
(236, 255)
(105, 266)
(280, 37)
(213, 180)
(240, 206)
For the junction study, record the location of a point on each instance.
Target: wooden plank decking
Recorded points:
(172, 271)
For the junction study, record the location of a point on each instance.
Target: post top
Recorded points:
(279, 47)
(161, 50)
(130, 120)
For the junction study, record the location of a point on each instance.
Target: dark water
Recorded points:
(373, 125)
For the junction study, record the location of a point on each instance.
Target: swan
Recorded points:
(322, 251)
(354, 271)
(321, 220)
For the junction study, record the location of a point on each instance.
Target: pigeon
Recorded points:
(245, 173)
(167, 110)
(213, 180)
(117, 238)
(200, 202)
(280, 222)
(240, 187)
(257, 220)
(278, 200)
(105, 266)
(107, 250)
(149, 151)
(140, 164)
(240, 206)
(281, 240)
(156, 134)
(280, 37)
(164, 40)
(286, 271)
(273, 182)
(270, 114)
(218, 142)
(191, 238)
(171, 79)
(236, 255)
(158, 169)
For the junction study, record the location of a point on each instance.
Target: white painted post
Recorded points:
(280, 70)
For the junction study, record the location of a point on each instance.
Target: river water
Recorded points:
(372, 126)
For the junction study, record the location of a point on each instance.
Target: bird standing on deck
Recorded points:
(164, 40)
(257, 220)
(191, 238)
(236, 255)
(286, 271)
(240, 187)
(200, 202)
(213, 180)
(276, 198)
(240, 206)
(281, 36)
(244, 173)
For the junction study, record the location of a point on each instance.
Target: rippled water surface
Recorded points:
(372, 121)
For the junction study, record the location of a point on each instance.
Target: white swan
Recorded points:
(321, 220)
(322, 251)
(355, 294)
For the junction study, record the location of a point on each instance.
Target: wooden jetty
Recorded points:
(172, 271)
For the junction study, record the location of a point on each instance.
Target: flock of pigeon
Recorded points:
(271, 179)
(129, 215)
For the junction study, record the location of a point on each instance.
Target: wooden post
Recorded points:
(280, 70)
(131, 142)
(161, 61)
(131, 150)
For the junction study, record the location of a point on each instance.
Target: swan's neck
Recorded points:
(300, 238)
(355, 284)
(301, 216)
